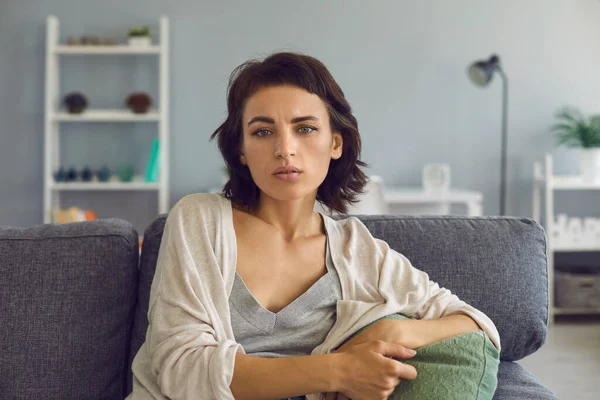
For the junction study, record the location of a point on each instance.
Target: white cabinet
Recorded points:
(54, 117)
(545, 184)
(403, 200)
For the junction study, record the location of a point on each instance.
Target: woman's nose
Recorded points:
(285, 145)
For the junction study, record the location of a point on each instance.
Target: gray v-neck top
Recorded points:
(293, 331)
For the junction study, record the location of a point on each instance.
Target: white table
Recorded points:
(420, 201)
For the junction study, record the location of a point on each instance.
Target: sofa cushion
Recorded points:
(67, 296)
(472, 356)
(516, 383)
(496, 264)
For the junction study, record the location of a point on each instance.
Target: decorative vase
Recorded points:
(87, 174)
(71, 175)
(139, 102)
(104, 174)
(75, 102)
(60, 175)
(126, 173)
(140, 41)
(589, 164)
(436, 177)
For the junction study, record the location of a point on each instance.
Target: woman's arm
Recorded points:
(187, 352)
(256, 378)
(417, 333)
(366, 371)
(414, 333)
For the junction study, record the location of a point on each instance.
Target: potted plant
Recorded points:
(139, 36)
(573, 129)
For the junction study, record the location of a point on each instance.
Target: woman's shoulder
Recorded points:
(199, 203)
(347, 227)
(351, 236)
(199, 208)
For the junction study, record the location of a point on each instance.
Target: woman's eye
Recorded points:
(306, 129)
(262, 132)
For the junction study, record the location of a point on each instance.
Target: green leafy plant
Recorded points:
(573, 129)
(139, 31)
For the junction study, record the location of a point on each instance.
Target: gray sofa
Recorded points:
(74, 298)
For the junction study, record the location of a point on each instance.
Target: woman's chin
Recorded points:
(290, 193)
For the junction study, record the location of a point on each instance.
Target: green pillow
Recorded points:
(463, 367)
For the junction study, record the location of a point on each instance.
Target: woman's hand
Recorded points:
(389, 331)
(368, 372)
(409, 334)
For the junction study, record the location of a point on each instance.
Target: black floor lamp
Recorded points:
(481, 73)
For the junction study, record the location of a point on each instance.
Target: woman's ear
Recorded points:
(243, 159)
(338, 144)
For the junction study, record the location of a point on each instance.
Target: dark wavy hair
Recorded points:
(344, 181)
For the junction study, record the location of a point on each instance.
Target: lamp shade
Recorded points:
(481, 72)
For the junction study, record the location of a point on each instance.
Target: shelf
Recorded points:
(570, 182)
(124, 115)
(572, 249)
(576, 311)
(57, 52)
(136, 184)
(116, 49)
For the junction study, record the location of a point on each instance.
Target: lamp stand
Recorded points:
(504, 148)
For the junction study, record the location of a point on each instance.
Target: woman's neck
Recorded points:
(294, 219)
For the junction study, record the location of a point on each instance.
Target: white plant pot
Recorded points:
(589, 164)
(140, 41)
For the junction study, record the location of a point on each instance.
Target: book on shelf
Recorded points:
(152, 166)
(72, 214)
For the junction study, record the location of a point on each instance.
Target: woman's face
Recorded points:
(287, 141)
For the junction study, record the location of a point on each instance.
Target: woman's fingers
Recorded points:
(395, 350)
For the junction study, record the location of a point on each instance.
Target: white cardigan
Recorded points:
(189, 352)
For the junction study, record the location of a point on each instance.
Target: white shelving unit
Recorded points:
(54, 117)
(106, 116)
(545, 183)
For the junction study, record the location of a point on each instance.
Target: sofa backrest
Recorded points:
(67, 297)
(496, 264)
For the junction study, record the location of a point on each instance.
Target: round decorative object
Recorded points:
(139, 102)
(75, 102)
(71, 175)
(126, 173)
(87, 174)
(104, 174)
(436, 177)
(60, 175)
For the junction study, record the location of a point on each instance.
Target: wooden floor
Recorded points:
(569, 362)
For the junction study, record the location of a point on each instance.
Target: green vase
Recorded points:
(126, 173)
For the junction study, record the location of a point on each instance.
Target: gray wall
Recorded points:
(400, 63)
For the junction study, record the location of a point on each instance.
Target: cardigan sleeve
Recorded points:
(419, 296)
(189, 353)
(408, 288)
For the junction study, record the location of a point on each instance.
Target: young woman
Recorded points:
(255, 293)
